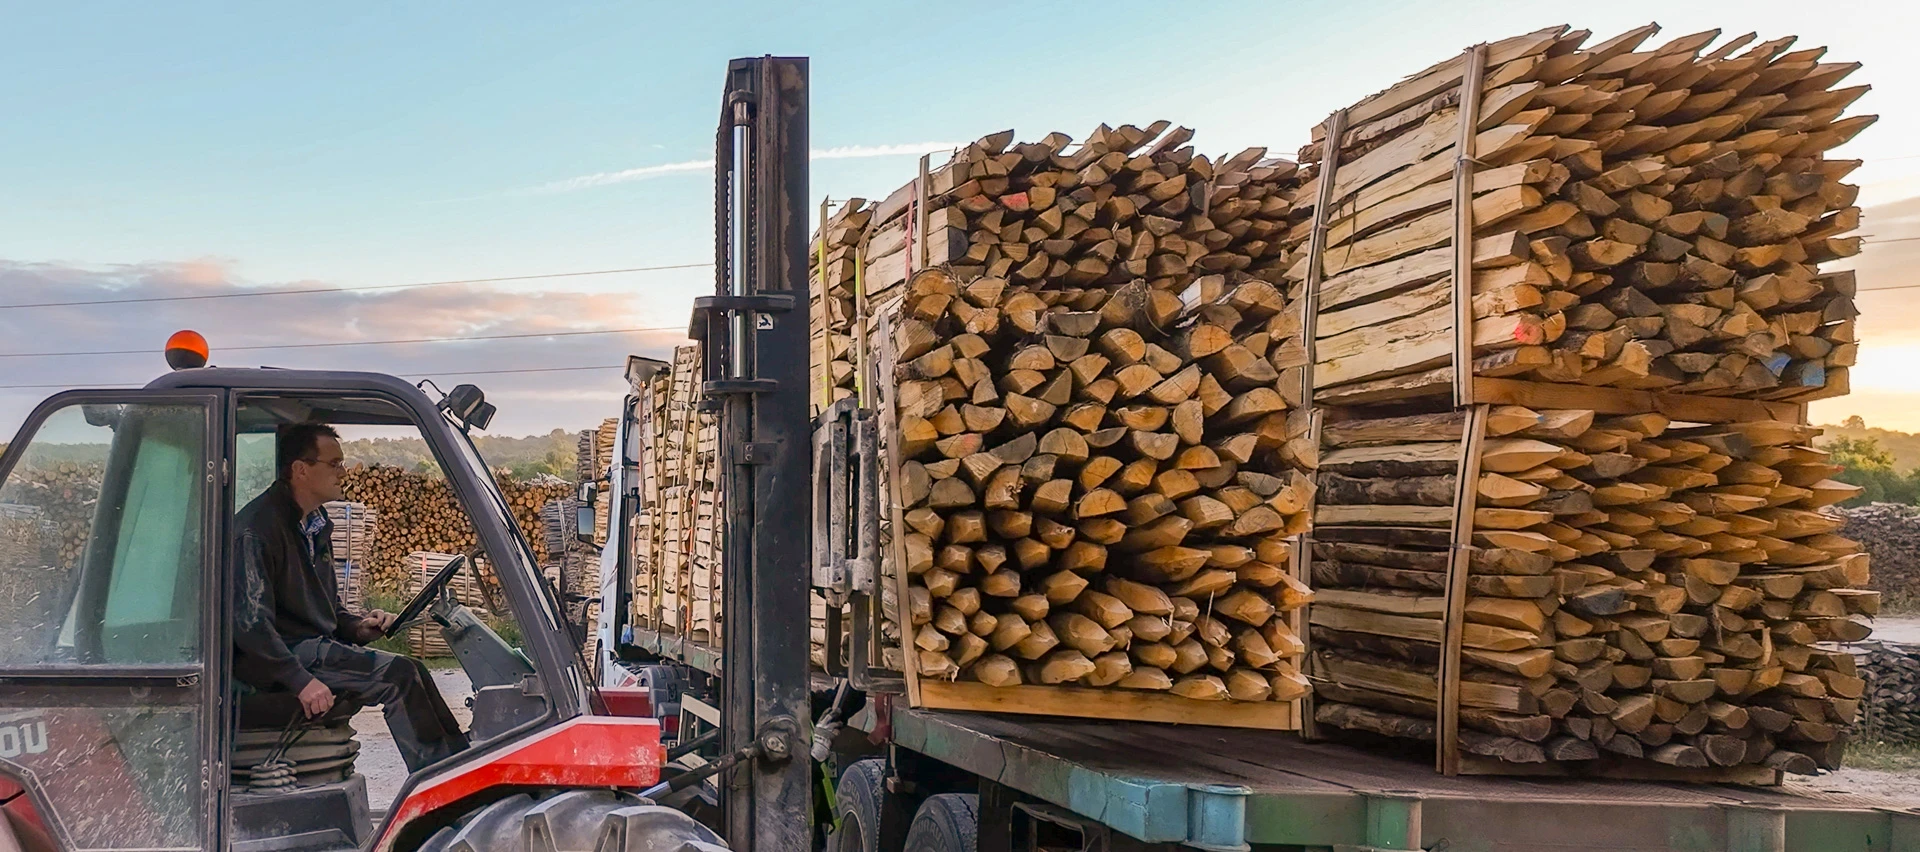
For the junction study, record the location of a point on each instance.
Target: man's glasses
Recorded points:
(336, 464)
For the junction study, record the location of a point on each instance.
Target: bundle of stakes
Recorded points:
(1635, 589)
(678, 534)
(1098, 462)
(1642, 217)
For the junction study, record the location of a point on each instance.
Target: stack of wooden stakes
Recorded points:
(1096, 468)
(1634, 588)
(355, 530)
(1647, 219)
(1604, 552)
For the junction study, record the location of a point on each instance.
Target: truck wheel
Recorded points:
(949, 822)
(858, 807)
(575, 821)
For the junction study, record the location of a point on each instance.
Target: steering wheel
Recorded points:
(418, 606)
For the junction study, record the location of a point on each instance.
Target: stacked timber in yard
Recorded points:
(1892, 704)
(1890, 532)
(676, 563)
(355, 531)
(1095, 469)
(428, 640)
(1641, 217)
(1602, 546)
(418, 512)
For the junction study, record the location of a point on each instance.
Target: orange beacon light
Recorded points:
(186, 350)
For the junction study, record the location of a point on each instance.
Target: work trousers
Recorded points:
(423, 728)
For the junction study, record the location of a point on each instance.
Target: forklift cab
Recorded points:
(120, 724)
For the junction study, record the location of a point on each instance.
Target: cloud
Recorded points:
(842, 152)
(529, 402)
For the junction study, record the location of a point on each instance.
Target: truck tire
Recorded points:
(948, 822)
(575, 821)
(858, 807)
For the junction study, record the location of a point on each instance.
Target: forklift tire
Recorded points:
(859, 801)
(575, 821)
(948, 822)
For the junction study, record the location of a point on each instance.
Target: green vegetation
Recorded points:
(1884, 757)
(1884, 462)
(552, 453)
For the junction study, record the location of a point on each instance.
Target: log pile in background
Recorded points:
(1098, 470)
(46, 513)
(1636, 589)
(1890, 532)
(419, 513)
(1644, 217)
(1892, 707)
(57, 499)
(678, 537)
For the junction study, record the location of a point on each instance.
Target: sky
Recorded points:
(209, 149)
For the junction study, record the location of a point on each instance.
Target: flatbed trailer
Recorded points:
(946, 781)
(1135, 785)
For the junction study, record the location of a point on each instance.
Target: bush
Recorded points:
(1864, 462)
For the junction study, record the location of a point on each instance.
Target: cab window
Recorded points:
(102, 538)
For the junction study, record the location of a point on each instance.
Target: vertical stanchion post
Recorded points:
(1463, 170)
(1459, 561)
(1302, 545)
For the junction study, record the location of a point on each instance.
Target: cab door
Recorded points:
(110, 535)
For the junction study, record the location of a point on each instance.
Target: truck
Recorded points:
(894, 777)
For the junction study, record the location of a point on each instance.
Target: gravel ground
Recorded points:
(379, 760)
(1903, 787)
(1896, 628)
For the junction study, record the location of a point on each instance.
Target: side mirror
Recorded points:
(583, 520)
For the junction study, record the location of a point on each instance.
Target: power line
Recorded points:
(520, 336)
(111, 385)
(317, 290)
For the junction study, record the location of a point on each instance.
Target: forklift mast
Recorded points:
(754, 332)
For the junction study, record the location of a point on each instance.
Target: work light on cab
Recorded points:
(186, 349)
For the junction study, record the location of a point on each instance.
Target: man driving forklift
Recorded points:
(292, 633)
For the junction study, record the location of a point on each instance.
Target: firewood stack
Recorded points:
(419, 513)
(1643, 217)
(1097, 464)
(1635, 589)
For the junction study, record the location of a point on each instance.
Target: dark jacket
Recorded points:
(281, 595)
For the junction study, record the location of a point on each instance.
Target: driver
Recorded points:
(290, 629)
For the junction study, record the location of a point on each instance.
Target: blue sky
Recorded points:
(168, 147)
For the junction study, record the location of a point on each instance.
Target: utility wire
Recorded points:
(318, 290)
(407, 376)
(520, 336)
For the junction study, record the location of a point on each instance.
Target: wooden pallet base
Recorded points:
(1636, 770)
(1114, 704)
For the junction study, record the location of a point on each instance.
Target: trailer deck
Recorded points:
(1215, 788)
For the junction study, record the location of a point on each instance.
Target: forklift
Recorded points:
(121, 727)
